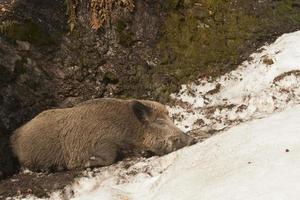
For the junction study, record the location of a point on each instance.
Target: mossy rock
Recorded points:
(110, 78)
(124, 33)
(26, 31)
(210, 37)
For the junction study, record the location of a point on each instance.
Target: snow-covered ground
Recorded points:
(256, 160)
(256, 154)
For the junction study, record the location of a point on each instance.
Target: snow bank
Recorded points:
(254, 160)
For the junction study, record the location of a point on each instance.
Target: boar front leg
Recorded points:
(102, 154)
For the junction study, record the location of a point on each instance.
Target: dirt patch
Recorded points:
(215, 90)
(268, 61)
(37, 184)
(282, 76)
(42, 185)
(201, 135)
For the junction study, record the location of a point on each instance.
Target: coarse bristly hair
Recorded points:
(95, 133)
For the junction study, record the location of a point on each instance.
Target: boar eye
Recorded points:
(160, 121)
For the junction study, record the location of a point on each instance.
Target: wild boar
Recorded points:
(96, 133)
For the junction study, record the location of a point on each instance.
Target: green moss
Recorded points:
(125, 35)
(110, 77)
(289, 6)
(209, 36)
(27, 31)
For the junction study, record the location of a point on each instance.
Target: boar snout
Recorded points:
(181, 141)
(191, 141)
(187, 140)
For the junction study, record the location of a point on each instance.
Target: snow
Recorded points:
(256, 160)
(254, 155)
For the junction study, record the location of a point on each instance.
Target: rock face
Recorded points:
(146, 53)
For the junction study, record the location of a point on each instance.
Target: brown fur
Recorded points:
(94, 133)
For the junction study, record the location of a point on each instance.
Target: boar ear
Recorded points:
(141, 111)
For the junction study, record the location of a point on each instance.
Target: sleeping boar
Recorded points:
(96, 133)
